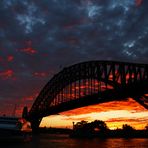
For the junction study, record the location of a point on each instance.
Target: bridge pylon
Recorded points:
(35, 125)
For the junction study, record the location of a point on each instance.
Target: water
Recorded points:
(63, 141)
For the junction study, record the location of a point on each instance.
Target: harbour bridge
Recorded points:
(88, 83)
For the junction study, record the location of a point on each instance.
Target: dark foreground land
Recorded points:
(83, 133)
(110, 134)
(55, 130)
(99, 129)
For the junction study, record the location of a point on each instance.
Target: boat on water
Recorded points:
(14, 129)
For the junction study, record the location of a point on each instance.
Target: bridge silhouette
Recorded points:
(88, 83)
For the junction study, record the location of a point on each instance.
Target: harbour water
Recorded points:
(63, 141)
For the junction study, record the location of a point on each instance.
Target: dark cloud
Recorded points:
(38, 37)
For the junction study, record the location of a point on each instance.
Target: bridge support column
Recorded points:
(35, 125)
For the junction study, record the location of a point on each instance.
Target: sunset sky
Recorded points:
(115, 114)
(38, 38)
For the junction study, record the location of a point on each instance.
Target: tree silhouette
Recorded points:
(146, 127)
(85, 129)
(127, 127)
(81, 124)
(100, 125)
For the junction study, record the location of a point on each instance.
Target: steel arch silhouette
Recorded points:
(89, 83)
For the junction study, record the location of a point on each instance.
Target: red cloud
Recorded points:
(139, 2)
(29, 50)
(25, 101)
(6, 74)
(1, 59)
(30, 99)
(10, 58)
(40, 74)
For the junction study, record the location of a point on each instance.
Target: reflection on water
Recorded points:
(63, 141)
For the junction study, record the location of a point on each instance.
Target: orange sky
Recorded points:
(115, 114)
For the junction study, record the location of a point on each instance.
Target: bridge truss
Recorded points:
(89, 83)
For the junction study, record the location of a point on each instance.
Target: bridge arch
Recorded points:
(119, 79)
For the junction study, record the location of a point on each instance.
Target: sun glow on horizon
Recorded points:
(115, 114)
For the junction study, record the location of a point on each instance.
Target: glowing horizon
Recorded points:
(115, 114)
